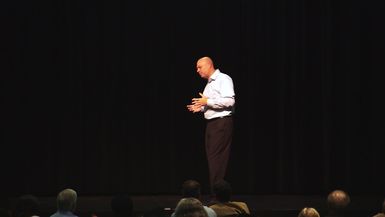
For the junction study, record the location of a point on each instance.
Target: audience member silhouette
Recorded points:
(223, 206)
(337, 203)
(308, 212)
(192, 188)
(122, 206)
(66, 203)
(190, 207)
(382, 213)
(26, 206)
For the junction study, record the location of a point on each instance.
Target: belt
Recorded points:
(213, 119)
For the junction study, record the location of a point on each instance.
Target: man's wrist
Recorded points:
(209, 102)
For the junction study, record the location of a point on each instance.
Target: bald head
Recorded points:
(207, 60)
(205, 67)
(338, 201)
(308, 212)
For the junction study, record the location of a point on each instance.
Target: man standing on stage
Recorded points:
(217, 103)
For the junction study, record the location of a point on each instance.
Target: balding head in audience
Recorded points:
(338, 202)
(308, 212)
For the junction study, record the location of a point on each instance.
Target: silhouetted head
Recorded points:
(222, 191)
(191, 188)
(26, 206)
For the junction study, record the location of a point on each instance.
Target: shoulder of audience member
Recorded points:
(379, 215)
(210, 211)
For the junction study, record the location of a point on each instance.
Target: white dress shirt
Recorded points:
(221, 97)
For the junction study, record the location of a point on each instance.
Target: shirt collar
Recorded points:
(214, 75)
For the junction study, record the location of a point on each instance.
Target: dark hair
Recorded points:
(191, 188)
(222, 191)
(26, 206)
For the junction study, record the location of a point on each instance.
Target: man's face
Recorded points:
(204, 69)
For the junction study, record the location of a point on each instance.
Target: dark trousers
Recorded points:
(219, 134)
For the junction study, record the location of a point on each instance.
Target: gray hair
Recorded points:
(66, 200)
(190, 207)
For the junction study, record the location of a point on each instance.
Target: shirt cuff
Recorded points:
(209, 102)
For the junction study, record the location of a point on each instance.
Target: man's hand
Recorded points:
(200, 101)
(197, 104)
(194, 108)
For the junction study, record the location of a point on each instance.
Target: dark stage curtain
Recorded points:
(94, 95)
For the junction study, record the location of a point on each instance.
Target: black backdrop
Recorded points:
(94, 95)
